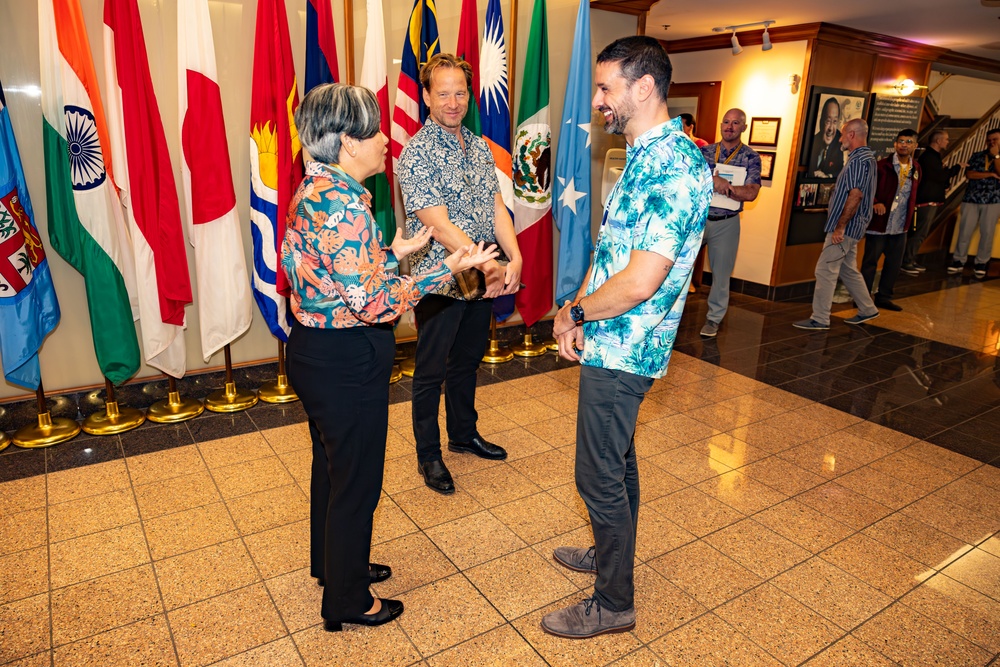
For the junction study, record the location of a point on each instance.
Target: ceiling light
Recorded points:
(767, 41)
(737, 49)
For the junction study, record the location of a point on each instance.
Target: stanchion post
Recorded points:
(278, 391)
(230, 399)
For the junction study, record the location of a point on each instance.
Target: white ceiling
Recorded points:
(960, 25)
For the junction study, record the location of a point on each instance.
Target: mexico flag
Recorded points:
(209, 198)
(533, 175)
(375, 79)
(149, 194)
(85, 219)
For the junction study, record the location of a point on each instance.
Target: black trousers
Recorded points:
(876, 245)
(915, 237)
(451, 340)
(342, 378)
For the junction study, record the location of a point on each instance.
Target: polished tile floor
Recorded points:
(830, 499)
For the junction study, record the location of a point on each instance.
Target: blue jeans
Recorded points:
(607, 477)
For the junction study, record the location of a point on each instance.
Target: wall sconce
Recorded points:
(737, 49)
(793, 81)
(906, 86)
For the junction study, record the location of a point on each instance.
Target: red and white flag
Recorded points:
(224, 301)
(146, 181)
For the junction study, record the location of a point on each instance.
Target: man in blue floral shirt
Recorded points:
(449, 183)
(625, 319)
(980, 206)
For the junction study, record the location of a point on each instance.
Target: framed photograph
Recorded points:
(829, 109)
(766, 165)
(764, 131)
(807, 195)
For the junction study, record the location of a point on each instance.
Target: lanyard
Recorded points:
(718, 151)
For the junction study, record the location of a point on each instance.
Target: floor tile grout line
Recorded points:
(48, 556)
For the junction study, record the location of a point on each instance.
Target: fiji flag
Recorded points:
(572, 186)
(28, 306)
(321, 45)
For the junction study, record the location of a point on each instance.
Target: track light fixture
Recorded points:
(737, 49)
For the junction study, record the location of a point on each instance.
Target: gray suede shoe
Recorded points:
(577, 559)
(586, 619)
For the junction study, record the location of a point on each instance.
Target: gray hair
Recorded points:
(334, 109)
(858, 126)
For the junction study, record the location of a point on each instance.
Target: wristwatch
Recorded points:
(576, 314)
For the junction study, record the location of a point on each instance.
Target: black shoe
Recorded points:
(479, 447)
(888, 304)
(910, 269)
(390, 610)
(956, 267)
(979, 270)
(436, 476)
(377, 573)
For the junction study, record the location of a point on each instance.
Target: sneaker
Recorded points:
(910, 269)
(711, 329)
(861, 319)
(919, 267)
(811, 325)
(577, 559)
(978, 270)
(587, 619)
(956, 266)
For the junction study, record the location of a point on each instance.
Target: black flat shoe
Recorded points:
(376, 573)
(436, 476)
(390, 610)
(479, 447)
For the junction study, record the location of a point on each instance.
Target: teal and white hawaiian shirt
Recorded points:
(659, 204)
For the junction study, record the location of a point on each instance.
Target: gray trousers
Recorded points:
(983, 216)
(723, 240)
(607, 477)
(839, 260)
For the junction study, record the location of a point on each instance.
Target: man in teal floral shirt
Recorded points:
(624, 321)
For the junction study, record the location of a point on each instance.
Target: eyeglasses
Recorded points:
(905, 141)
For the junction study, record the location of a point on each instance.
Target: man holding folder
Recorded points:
(736, 178)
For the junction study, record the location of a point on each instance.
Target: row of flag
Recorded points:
(114, 213)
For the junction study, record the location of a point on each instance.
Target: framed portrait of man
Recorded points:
(829, 109)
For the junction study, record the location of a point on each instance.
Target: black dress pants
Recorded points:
(451, 340)
(876, 245)
(342, 378)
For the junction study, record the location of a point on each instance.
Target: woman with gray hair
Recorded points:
(341, 346)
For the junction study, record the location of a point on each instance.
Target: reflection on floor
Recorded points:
(824, 498)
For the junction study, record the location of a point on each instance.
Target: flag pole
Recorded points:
(48, 431)
(230, 399)
(173, 408)
(349, 39)
(278, 391)
(495, 354)
(114, 419)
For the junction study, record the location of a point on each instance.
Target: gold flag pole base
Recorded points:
(406, 366)
(494, 353)
(174, 409)
(113, 420)
(4, 441)
(230, 399)
(278, 391)
(47, 432)
(529, 348)
(551, 345)
(397, 374)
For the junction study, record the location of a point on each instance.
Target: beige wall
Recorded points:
(963, 96)
(757, 82)
(67, 357)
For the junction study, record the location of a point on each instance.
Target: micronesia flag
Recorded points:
(572, 186)
(28, 306)
(321, 45)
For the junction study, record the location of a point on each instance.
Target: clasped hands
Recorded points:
(567, 333)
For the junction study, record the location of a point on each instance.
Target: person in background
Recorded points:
(897, 178)
(980, 207)
(341, 347)
(850, 211)
(722, 231)
(689, 128)
(624, 321)
(931, 189)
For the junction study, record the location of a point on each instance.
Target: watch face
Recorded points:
(576, 312)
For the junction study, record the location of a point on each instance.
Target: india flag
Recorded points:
(86, 226)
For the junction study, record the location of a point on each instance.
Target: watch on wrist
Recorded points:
(576, 314)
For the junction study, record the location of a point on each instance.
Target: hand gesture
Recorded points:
(469, 256)
(401, 247)
(879, 209)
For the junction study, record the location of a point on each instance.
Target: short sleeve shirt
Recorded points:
(659, 205)
(900, 206)
(435, 171)
(745, 157)
(857, 174)
(982, 190)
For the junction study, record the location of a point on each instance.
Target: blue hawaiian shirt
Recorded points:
(435, 171)
(659, 204)
(982, 190)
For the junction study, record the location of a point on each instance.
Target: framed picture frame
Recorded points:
(829, 109)
(764, 131)
(766, 164)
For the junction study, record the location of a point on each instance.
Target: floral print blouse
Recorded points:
(334, 257)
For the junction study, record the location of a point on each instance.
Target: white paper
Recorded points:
(735, 175)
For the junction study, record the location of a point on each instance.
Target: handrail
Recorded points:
(971, 142)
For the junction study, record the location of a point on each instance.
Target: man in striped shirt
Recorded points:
(848, 217)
